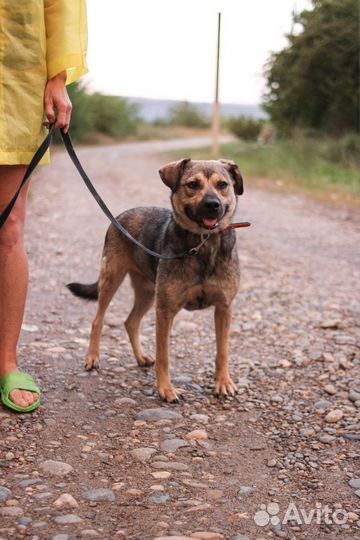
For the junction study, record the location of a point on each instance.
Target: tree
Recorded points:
(313, 82)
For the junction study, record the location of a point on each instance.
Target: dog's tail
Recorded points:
(89, 292)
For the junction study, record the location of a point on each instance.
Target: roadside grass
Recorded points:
(316, 166)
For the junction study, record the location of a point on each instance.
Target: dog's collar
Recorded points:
(205, 237)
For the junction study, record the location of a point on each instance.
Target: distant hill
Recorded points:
(152, 109)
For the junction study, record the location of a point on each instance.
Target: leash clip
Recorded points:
(204, 238)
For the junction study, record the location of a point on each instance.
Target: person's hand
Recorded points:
(56, 100)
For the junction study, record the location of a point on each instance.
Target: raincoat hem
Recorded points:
(21, 158)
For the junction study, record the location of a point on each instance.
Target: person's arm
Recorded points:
(66, 44)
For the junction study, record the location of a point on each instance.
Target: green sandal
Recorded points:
(16, 380)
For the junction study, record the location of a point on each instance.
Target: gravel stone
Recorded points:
(171, 445)
(197, 435)
(245, 491)
(153, 415)
(354, 396)
(334, 416)
(11, 511)
(172, 465)
(65, 500)
(100, 494)
(143, 454)
(5, 493)
(354, 483)
(68, 519)
(55, 468)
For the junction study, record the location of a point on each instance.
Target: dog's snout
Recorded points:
(212, 203)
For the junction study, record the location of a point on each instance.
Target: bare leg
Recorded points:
(112, 274)
(144, 298)
(164, 322)
(223, 383)
(13, 277)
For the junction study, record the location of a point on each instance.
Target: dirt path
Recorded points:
(289, 437)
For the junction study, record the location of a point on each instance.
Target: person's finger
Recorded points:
(49, 110)
(68, 117)
(64, 115)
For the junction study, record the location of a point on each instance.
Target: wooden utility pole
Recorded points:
(216, 110)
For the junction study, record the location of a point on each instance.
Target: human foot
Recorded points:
(19, 392)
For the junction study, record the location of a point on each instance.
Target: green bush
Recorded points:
(185, 114)
(99, 113)
(245, 128)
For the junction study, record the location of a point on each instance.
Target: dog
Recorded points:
(203, 198)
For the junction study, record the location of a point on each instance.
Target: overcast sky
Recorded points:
(166, 48)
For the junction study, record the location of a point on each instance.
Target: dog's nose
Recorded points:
(212, 204)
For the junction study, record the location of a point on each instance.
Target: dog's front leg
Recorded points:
(164, 321)
(223, 383)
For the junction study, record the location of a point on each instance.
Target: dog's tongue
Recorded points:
(210, 222)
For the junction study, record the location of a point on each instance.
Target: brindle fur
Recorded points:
(211, 278)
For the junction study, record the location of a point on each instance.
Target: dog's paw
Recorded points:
(92, 362)
(169, 393)
(224, 386)
(145, 360)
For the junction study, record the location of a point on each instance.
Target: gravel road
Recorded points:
(104, 458)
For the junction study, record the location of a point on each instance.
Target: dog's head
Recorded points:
(204, 193)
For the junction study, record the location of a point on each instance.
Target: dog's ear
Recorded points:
(171, 173)
(235, 174)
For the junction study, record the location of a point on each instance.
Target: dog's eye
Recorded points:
(222, 185)
(193, 185)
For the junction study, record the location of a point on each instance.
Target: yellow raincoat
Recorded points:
(38, 40)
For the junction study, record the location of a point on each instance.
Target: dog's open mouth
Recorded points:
(210, 223)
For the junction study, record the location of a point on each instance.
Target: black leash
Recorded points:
(39, 154)
(72, 154)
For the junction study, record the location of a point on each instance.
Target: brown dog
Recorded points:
(203, 197)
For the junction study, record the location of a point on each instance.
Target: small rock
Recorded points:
(197, 435)
(143, 454)
(11, 511)
(354, 396)
(55, 468)
(354, 483)
(326, 439)
(171, 445)
(9, 456)
(68, 519)
(65, 500)
(161, 413)
(25, 521)
(119, 402)
(276, 399)
(330, 389)
(323, 404)
(357, 492)
(201, 418)
(173, 465)
(159, 499)
(60, 537)
(161, 475)
(207, 535)
(176, 537)
(99, 494)
(352, 517)
(134, 492)
(5, 493)
(89, 533)
(334, 416)
(272, 463)
(331, 323)
(245, 491)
